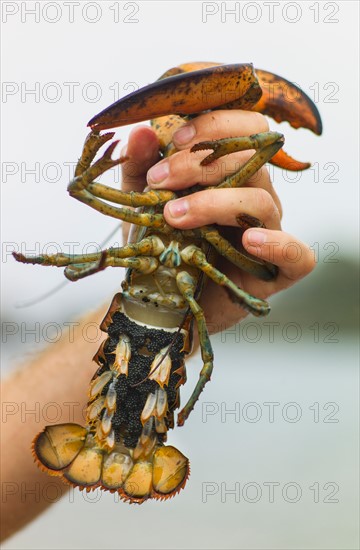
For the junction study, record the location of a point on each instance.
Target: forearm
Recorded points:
(54, 386)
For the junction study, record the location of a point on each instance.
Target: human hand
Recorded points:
(221, 206)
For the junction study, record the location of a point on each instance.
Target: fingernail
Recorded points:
(158, 173)
(184, 134)
(256, 238)
(178, 208)
(124, 151)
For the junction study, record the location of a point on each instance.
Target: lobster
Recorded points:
(141, 365)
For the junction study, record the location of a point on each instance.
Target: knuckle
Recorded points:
(203, 205)
(265, 203)
(210, 199)
(260, 122)
(211, 123)
(214, 124)
(309, 261)
(303, 262)
(261, 177)
(181, 167)
(184, 164)
(132, 169)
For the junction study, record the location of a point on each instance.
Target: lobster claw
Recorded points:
(284, 101)
(183, 93)
(193, 88)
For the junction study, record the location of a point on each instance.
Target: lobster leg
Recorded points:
(131, 198)
(187, 287)
(192, 255)
(83, 265)
(144, 264)
(266, 145)
(93, 142)
(79, 191)
(83, 184)
(88, 173)
(264, 270)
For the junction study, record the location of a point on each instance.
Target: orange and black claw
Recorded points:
(187, 93)
(193, 88)
(281, 100)
(283, 160)
(284, 101)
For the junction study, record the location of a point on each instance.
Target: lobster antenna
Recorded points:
(55, 289)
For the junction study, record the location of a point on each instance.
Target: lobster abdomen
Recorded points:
(132, 398)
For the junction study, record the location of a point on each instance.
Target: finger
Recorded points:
(219, 124)
(222, 206)
(143, 151)
(183, 170)
(294, 258)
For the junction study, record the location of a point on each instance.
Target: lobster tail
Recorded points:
(57, 446)
(72, 452)
(132, 398)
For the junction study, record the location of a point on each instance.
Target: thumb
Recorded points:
(142, 151)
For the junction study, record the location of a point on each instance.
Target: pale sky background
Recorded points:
(318, 51)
